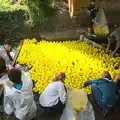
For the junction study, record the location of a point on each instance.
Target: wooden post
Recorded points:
(18, 52)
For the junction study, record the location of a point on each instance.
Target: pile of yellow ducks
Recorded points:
(78, 60)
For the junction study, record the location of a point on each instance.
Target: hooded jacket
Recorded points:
(21, 102)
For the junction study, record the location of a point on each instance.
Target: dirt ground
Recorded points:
(98, 113)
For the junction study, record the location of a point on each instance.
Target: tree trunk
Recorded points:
(38, 36)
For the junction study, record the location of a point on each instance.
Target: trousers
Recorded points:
(97, 96)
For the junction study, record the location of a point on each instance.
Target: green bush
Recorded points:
(12, 24)
(15, 19)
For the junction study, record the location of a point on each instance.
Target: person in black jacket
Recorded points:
(92, 11)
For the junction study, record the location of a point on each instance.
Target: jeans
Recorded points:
(54, 109)
(97, 96)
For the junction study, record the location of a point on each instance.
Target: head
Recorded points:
(60, 77)
(8, 45)
(15, 75)
(106, 74)
(2, 66)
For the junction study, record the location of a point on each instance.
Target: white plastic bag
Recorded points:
(100, 23)
(85, 113)
(78, 99)
(88, 114)
(101, 29)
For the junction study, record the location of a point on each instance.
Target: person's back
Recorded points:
(103, 90)
(24, 106)
(23, 101)
(50, 96)
(53, 98)
(108, 89)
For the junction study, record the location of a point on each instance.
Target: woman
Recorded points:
(54, 96)
(103, 90)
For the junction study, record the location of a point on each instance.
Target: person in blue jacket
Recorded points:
(103, 90)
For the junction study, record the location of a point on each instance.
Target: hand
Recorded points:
(3, 83)
(112, 54)
(85, 84)
(10, 67)
(81, 110)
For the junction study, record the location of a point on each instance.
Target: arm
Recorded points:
(117, 47)
(5, 57)
(89, 82)
(110, 40)
(62, 93)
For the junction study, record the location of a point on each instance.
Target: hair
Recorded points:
(59, 76)
(117, 77)
(107, 75)
(8, 42)
(15, 75)
(2, 65)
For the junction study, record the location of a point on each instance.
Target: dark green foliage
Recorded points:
(12, 24)
(30, 19)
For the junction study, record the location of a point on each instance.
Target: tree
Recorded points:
(39, 12)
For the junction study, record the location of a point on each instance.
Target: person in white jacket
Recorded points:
(19, 98)
(5, 50)
(53, 98)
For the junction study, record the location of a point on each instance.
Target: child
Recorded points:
(21, 100)
(54, 96)
(103, 90)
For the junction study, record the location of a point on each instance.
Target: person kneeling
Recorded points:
(103, 90)
(20, 99)
(53, 98)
